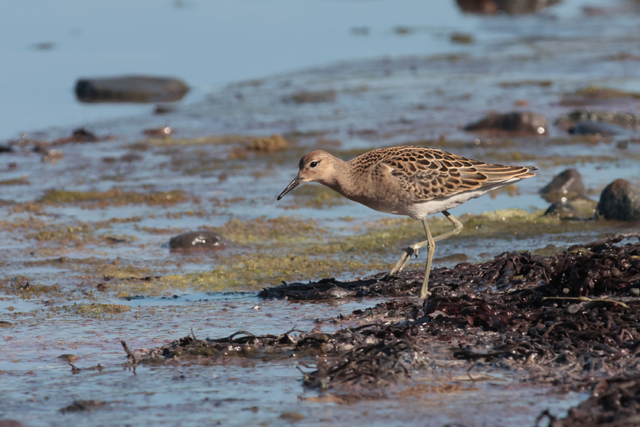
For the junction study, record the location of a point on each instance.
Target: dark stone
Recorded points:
(82, 405)
(568, 185)
(561, 208)
(511, 7)
(625, 120)
(620, 200)
(313, 97)
(197, 241)
(78, 135)
(83, 135)
(517, 122)
(5, 149)
(10, 423)
(586, 127)
(131, 89)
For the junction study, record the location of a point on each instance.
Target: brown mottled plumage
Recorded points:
(413, 181)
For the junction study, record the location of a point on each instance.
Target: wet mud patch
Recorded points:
(566, 320)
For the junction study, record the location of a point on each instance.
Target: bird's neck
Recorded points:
(342, 181)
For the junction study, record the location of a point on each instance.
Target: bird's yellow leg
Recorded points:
(413, 249)
(431, 246)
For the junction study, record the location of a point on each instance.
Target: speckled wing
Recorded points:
(429, 173)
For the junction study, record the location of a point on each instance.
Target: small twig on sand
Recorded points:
(585, 299)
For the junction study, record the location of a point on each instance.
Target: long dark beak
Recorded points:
(296, 181)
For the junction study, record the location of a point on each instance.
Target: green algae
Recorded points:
(602, 92)
(16, 181)
(43, 231)
(521, 83)
(187, 142)
(64, 233)
(316, 196)
(116, 271)
(252, 272)
(114, 197)
(268, 231)
(97, 310)
(373, 248)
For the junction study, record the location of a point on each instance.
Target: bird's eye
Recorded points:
(313, 164)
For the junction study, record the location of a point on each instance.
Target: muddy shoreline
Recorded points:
(534, 305)
(567, 321)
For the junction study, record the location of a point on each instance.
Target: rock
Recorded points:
(10, 423)
(462, 38)
(568, 185)
(625, 120)
(130, 89)
(562, 209)
(82, 405)
(620, 200)
(197, 241)
(291, 416)
(163, 109)
(5, 149)
(161, 132)
(304, 96)
(511, 7)
(78, 135)
(44, 46)
(587, 127)
(517, 122)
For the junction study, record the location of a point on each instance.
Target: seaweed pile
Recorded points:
(571, 319)
(614, 402)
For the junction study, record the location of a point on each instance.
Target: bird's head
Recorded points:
(316, 166)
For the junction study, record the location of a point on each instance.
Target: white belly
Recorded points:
(421, 210)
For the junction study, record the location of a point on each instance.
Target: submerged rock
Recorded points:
(586, 127)
(313, 97)
(620, 200)
(562, 209)
(625, 120)
(567, 185)
(197, 241)
(78, 135)
(82, 405)
(462, 38)
(511, 7)
(131, 89)
(517, 122)
(5, 149)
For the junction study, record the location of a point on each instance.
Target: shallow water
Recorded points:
(426, 87)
